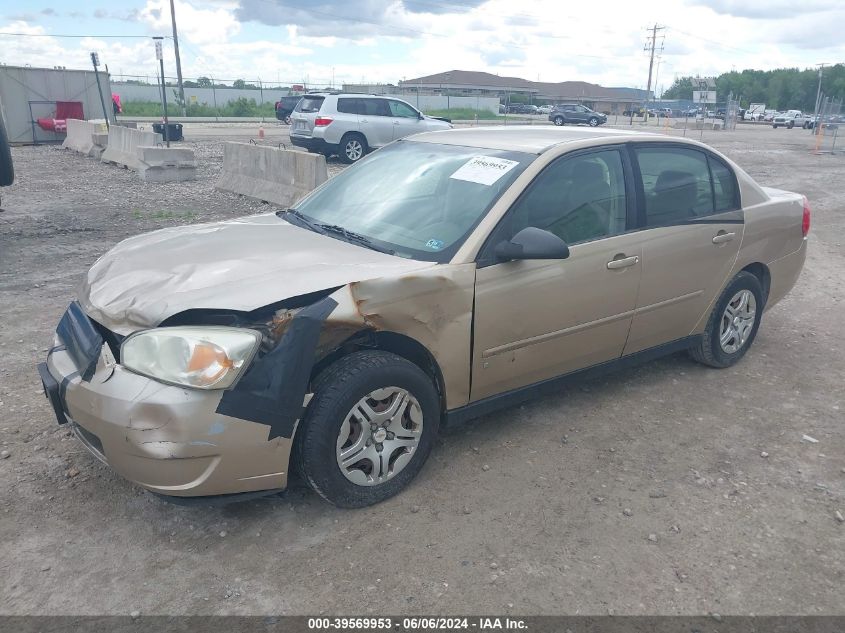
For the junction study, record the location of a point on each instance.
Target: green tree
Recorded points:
(239, 84)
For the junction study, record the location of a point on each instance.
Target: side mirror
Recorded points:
(532, 243)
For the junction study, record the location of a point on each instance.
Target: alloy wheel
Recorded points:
(737, 321)
(379, 436)
(354, 150)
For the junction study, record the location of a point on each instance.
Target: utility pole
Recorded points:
(95, 61)
(178, 59)
(818, 101)
(651, 45)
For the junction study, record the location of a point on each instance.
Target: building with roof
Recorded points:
(472, 83)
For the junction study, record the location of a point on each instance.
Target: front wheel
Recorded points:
(593, 122)
(369, 428)
(352, 148)
(733, 324)
(558, 120)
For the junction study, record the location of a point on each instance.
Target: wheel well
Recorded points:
(358, 134)
(761, 271)
(398, 344)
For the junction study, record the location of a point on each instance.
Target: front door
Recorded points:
(692, 224)
(538, 319)
(406, 120)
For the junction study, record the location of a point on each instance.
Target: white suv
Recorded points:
(350, 125)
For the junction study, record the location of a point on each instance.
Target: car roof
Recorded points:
(532, 139)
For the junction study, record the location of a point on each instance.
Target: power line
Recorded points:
(146, 37)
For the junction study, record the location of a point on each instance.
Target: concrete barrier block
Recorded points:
(124, 143)
(163, 164)
(85, 137)
(270, 174)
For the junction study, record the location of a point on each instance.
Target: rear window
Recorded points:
(310, 104)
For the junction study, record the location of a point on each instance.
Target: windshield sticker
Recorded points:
(435, 245)
(485, 170)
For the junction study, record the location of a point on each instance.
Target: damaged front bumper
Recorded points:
(168, 439)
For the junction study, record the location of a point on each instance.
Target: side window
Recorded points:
(724, 186)
(676, 183)
(375, 107)
(349, 106)
(579, 198)
(397, 108)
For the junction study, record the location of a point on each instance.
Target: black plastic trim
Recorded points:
(273, 388)
(511, 398)
(81, 338)
(217, 500)
(51, 391)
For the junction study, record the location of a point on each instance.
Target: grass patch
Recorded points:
(464, 114)
(240, 107)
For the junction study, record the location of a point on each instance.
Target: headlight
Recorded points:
(202, 357)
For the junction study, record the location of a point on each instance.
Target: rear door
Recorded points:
(302, 119)
(691, 225)
(375, 121)
(406, 120)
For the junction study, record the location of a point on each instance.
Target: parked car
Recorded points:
(573, 113)
(522, 108)
(350, 125)
(285, 106)
(7, 168)
(768, 115)
(789, 119)
(545, 109)
(632, 112)
(424, 284)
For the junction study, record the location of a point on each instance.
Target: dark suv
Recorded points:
(284, 107)
(573, 113)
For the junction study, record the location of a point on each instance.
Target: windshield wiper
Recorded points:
(352, 236)
(335, 229)
(302, 220)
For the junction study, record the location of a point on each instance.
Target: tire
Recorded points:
(710, 350)
(353, 147)
(593, 121)
(332, 425)
(287, 120)
(774, 126)
(558, 120)
(790, 125)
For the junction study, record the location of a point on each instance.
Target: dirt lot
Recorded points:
(714, 525)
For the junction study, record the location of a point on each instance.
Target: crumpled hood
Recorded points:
(241, 264)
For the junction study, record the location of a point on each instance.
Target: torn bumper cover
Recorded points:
(178, 441)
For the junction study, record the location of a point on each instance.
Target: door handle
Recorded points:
(721, 237)
(620, 261)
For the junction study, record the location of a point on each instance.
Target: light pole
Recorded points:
(95, 60)
(160, 57)
(178, 59)
(818, 101)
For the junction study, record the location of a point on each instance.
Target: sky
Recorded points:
(329, 42)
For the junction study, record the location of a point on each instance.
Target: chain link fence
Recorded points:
(826, 127)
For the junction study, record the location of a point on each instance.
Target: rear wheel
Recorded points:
(558, 120)
(353, 146)
(369, 428)
(733, 324)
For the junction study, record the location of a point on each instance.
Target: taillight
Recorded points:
(322, 121)
(805, 221)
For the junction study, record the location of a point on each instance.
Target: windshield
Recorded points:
(419, 200)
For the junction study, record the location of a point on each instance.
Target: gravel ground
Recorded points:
(666, 489)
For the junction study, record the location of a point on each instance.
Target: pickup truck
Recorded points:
(284, 107)
(790, 119)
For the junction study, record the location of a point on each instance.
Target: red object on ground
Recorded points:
(115, 98)
(69, 110)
